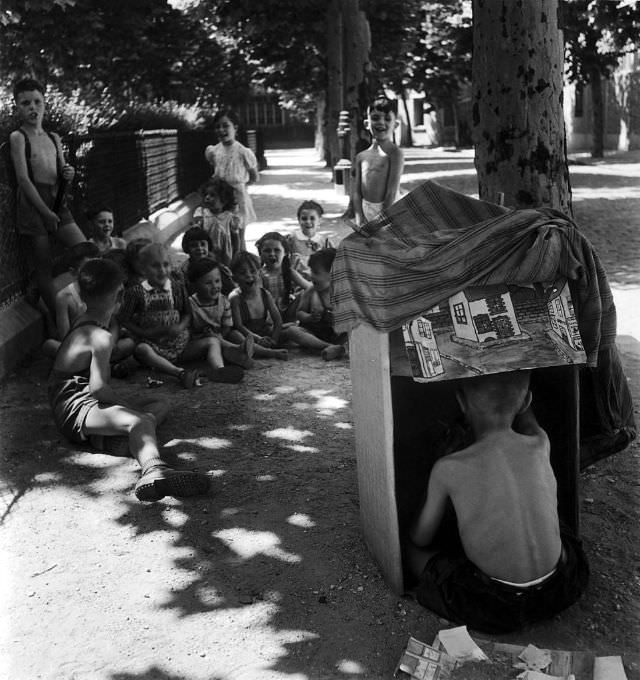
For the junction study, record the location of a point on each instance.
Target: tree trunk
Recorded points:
(335, 79)
(320, 137)
(403, 96)
(517, 118)
(357, 48)
(597, 104)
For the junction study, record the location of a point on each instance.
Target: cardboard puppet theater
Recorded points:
(442, 287)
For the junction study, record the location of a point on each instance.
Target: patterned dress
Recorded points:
(149, 307)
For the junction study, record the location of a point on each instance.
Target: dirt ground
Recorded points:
(267, 577)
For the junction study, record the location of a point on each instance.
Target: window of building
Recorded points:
(459, 313)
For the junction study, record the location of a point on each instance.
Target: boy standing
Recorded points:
(378, 168)
(41, 174)
(84, 404)
(518, 565)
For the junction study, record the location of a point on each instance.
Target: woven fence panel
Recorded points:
(13, 265)
(159, 151)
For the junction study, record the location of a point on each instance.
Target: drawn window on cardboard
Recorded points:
(491, 329)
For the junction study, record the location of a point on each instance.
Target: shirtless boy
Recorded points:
(378, 168)
(519, 564)
(86, 407)
(40, 170)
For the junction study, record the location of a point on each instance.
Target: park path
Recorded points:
(267, 577)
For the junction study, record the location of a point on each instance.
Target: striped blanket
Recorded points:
(435, 242)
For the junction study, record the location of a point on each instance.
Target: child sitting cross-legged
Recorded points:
(315, 316)
(515, 563)
(212, 333)
(84, 404)
(156, 312)
(255, 313)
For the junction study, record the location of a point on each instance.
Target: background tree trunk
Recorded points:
(597, 104)
(335, 79)
(518, 125)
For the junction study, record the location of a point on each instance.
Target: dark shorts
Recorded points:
(71, 400)
(456, 589)
(29, 220)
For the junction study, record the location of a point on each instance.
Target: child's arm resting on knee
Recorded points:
(425, 527)
(304, 314)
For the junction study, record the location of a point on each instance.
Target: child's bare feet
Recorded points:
(333, 352)
(242, 354)
(226, 374)
(189, 379)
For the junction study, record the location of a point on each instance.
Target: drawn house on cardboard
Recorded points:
(483, 314)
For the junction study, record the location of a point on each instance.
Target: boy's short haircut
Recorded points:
(93, 212)
(74, 256)
(195, 234)
(225, 192)
(322, 258)
(310, 205)
(383, 104)
(99, 277)
(244, 258)
(497, 391)
(201, 267)
(27, 85)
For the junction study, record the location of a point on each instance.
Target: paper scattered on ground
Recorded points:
(419, 661)
(537, 675)
(534, 659)
(458, 643)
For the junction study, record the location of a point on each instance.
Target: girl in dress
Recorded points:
(279, 275)
(236, 164)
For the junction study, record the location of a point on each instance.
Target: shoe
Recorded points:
(161, 480)
(189, 379)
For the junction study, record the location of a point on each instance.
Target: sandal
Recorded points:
(189, 379)
(160, 480)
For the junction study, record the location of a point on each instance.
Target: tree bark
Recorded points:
(517, 118)
(320, 137)
(335, 79)
(597, 104)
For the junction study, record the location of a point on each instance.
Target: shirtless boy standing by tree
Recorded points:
(41, 172)
(519, 564)
(378, 168)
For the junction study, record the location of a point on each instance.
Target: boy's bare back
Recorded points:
(504, 493)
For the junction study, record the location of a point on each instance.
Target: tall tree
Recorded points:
(517, 118)
(597, 34)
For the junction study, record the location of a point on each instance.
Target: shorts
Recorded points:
(71, 400)
(370, 209)
(453, 587)
(29, 220)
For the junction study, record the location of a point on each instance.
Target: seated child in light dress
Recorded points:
(156, 313)
(315, 316)
(101, 224)
(86, 407)
(517, 564)
(279, 273)
(196, 243)
(212, 333)
(255, 313)
(306, 240)
(217, 217)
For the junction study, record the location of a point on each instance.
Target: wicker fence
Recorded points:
(134, 173)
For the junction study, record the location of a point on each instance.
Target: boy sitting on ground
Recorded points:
(517, 564)
(86, 407)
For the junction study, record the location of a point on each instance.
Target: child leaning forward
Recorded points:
(86, 407)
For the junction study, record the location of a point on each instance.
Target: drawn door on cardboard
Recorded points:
(491, 329)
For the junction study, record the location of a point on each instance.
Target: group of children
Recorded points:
(114, 301)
